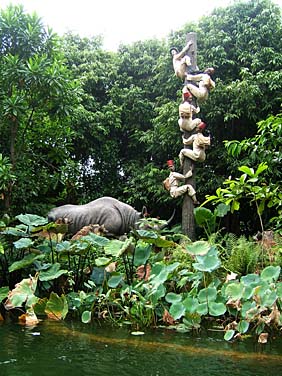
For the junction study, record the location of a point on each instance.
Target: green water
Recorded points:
(73, 349)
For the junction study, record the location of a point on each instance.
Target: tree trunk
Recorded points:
(14, 132)
(188, 222)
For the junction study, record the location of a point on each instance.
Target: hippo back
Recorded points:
(117, 217)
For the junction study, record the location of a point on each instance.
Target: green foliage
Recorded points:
(36, 98)
(122, 129)
(6, 175)
(145, 279)
(254, 299)
(248, 186)
(243, 257)
(265, 145)
(56, 306)
(92, 153)
(207, 219)
(3, 293)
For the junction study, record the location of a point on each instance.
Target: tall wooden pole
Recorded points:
(188, 222)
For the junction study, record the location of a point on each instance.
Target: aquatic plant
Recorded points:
(149, 278)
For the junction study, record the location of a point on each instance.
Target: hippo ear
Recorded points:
(144, 212)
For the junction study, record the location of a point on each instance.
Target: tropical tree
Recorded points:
(119, 97)
(243, 43)
(96, 122)
(264, 146)
(36, 94)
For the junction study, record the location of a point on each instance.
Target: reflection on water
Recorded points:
(73, 349)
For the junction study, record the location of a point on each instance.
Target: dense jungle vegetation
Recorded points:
(78, 122)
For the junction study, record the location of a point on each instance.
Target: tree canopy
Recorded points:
(80, 122)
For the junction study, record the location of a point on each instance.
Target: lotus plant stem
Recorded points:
(126, 269)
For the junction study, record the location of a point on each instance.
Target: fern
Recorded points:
(244, 255)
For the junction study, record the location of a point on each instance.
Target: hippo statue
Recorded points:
(117, 217)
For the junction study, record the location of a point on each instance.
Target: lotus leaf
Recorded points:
(145, 234)
(22, 293)
(249, 310)
(191, 304)
(234, 290)
(177, 310)
(207, 294)
(23, 243)
(229, 334)
(251, 280)
(216, 308)
(63, 247)
(248, 292)
(202, 309)
(200, 247)
(14, 232)
(24, 262)
(98, 275)
(270, 273)
(221, 210)
(117, 248)
(32, 219)
(86, 317)
(52, 273)
(115, 279)
(3, 293)
(142, 253)
(157, 293)
(268, 298)
(102, 261)
(209, 262)
(203, 216)
(192, 321)
(39, 307)
(171, 267)
(171, 297)
(243, 326)
(95, 239)
(56, 307)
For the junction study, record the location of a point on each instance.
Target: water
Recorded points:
(73, 349)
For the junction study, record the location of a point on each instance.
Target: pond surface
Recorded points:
(74, 349)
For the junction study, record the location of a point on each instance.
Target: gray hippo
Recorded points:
(117, 217)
